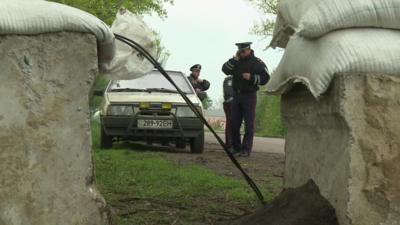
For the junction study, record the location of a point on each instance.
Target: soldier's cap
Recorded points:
(195, 67)
(244, 45)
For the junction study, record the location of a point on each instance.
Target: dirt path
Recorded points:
(261, 144)
(265, 165)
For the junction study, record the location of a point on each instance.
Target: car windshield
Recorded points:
(152, 82)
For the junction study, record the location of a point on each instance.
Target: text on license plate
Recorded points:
(158, 124)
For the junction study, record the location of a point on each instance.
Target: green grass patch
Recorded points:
(145, 188)
(147, 175)
(95, 127)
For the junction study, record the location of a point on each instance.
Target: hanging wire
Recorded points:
(148, 56)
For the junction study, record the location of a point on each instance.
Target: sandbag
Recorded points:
(22, 17)
(128, 63)
(37, 17)
(315, 62)
(314, 18)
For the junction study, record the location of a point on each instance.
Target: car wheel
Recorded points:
(105, 140)
(197, 144)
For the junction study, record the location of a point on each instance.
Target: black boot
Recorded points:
(244, 154)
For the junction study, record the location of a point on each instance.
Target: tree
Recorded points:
(162, 52)
(268, 7)
(107, 9)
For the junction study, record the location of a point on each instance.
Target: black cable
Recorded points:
(148, 56)
(141, 50)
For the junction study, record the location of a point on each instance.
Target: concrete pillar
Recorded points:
(348, 142)
(46, 168)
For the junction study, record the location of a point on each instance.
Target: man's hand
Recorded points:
(199, 80)
(247, 76)
(198, 90)
(236, 57)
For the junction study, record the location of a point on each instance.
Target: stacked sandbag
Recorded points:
(127, 62)
(326, 37)
(315, 18)
(22, 17)
(315, 62)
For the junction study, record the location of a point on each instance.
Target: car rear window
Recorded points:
(153, 80)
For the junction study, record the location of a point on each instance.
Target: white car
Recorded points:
(150, 109)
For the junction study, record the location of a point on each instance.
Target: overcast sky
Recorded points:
(204, 32)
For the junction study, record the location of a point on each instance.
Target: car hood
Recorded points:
(125, 97)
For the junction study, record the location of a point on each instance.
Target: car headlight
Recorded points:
(120, 110)
(185, 111)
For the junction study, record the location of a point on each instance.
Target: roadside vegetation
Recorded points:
(268, 117)
(107, 9)
(100, 84)
(269, 121)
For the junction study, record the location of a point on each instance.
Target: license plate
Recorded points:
(155, 124)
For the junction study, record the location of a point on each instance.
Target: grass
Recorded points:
(144, 188)
(148, 175)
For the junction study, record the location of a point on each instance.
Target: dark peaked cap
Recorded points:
(243, 45)
(197, 66)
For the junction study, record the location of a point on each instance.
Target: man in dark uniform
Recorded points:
(199, 85)
(248, 72)
(228, 98)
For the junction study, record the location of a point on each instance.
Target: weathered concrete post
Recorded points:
(348, 142)
(46, 168)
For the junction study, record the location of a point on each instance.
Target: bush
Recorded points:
(268, 116)
(101, 83)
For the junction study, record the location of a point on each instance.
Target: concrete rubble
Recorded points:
(46, 169)
(348, 142)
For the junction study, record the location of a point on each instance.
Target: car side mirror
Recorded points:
(99, 93)
(202, 95)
